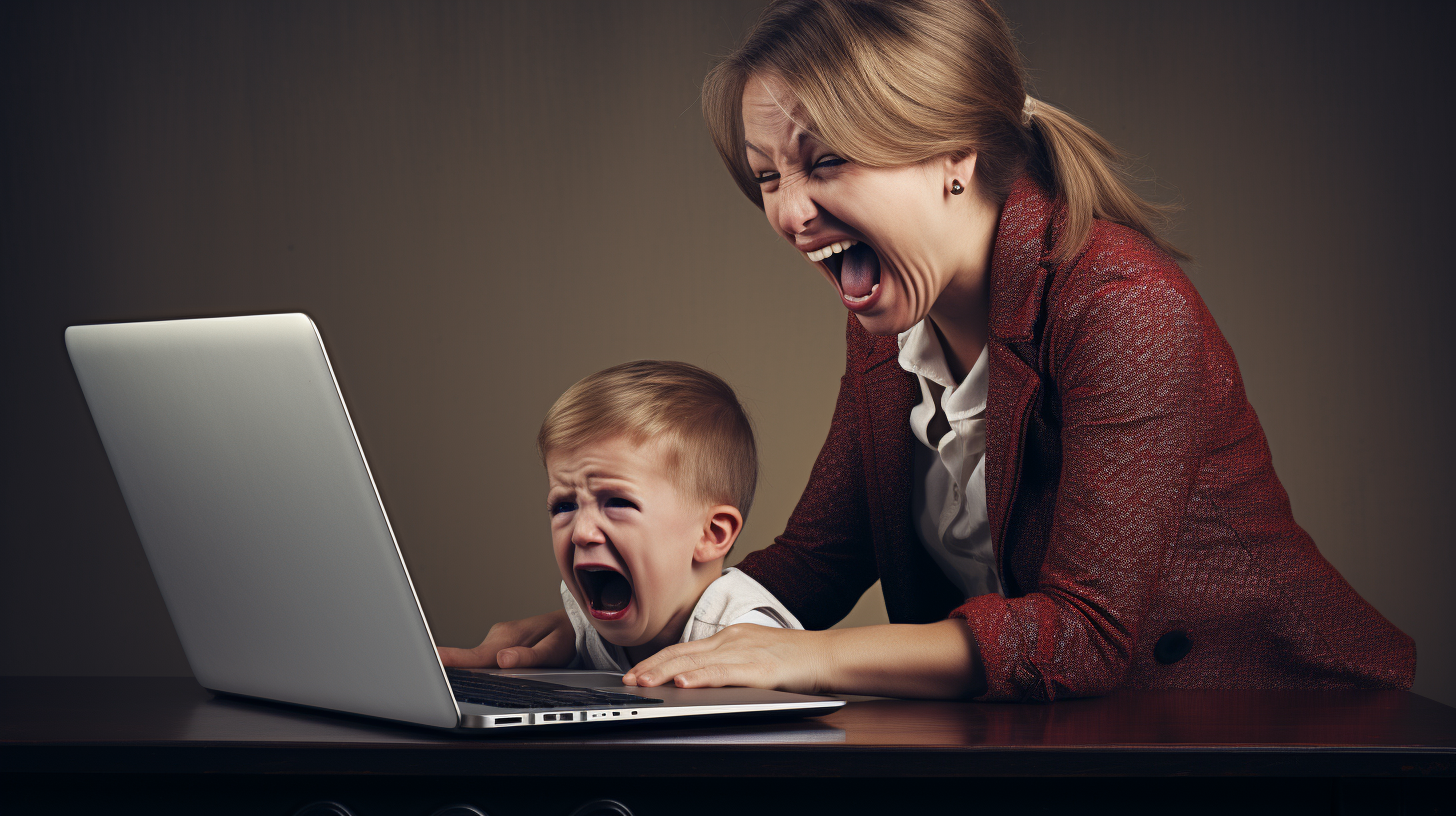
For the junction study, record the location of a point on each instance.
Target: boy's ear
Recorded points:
(721, 529)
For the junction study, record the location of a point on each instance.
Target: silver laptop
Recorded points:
(250, 493)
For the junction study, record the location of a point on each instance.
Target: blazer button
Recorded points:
(1172, 647)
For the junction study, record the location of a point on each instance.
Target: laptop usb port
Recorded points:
(549, 717)
(507, 720)
(566, 716)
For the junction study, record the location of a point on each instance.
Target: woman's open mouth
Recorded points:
(855, 266)
(608, 592)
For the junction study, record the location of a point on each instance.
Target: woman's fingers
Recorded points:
(704, 666)
(717, 675)
(664, 665)
(743, 655)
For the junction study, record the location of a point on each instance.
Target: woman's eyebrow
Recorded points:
(800, 137)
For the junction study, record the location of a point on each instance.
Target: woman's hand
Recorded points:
(741, 655)
(934, 661)
(544, 640)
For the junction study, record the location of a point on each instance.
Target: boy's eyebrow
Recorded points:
(606, 477)
(591, 476)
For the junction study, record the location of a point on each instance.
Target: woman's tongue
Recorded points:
(860, 271)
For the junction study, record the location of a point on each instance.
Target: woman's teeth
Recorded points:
(824, 252)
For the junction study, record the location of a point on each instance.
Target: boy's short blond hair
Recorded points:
(705, 432)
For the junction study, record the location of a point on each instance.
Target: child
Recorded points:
(651, 467)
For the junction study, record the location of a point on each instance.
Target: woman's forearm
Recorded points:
(937, 661)
(929, 661)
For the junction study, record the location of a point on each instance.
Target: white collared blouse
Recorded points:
(948, 500)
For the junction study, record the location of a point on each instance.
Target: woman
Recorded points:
(1041, 447)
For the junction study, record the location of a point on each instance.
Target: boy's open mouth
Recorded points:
(857, 269)
(607, 591)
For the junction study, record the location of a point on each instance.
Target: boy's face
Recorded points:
(626, 539)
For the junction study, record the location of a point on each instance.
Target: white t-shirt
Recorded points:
(731, 598)
(948, 498)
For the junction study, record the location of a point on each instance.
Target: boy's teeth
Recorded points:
(824, 252)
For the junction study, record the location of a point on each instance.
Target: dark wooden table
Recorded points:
(163, 745)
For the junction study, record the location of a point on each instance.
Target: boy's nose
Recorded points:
(586, 532)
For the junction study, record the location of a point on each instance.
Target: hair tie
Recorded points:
(1027, 109)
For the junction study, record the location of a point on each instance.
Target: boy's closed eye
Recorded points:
(559, 507)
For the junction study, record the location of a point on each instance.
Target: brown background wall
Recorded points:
(482, 202)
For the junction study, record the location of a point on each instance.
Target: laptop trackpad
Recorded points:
(581, 678)
(670, 694)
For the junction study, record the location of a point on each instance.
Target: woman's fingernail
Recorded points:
(647, 678)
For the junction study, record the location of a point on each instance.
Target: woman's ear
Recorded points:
(961, 168)
(720, 530)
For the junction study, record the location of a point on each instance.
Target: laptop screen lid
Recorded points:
(262, 524)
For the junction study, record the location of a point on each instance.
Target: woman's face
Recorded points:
(889, 240)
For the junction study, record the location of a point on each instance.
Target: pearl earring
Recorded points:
(955, 187)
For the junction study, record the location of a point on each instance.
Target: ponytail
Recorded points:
(1090, 176)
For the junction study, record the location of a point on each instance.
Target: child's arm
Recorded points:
(543, 640)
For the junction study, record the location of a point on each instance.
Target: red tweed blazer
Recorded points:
(1142, 537)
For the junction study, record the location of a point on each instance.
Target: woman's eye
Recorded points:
(560, 507)
(828, 161)
(617, 501)
(765, 178)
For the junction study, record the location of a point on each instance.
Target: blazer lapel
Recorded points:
(1018, 281)
(915, 589)
(1013, 389)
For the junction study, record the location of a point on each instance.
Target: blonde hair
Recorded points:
(885, 84)
(696, 416)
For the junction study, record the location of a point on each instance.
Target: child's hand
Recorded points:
(740, 655)
(544, 640)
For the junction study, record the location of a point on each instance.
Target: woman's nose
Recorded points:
(794, 210)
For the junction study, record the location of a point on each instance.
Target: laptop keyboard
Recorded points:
(518, 692)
